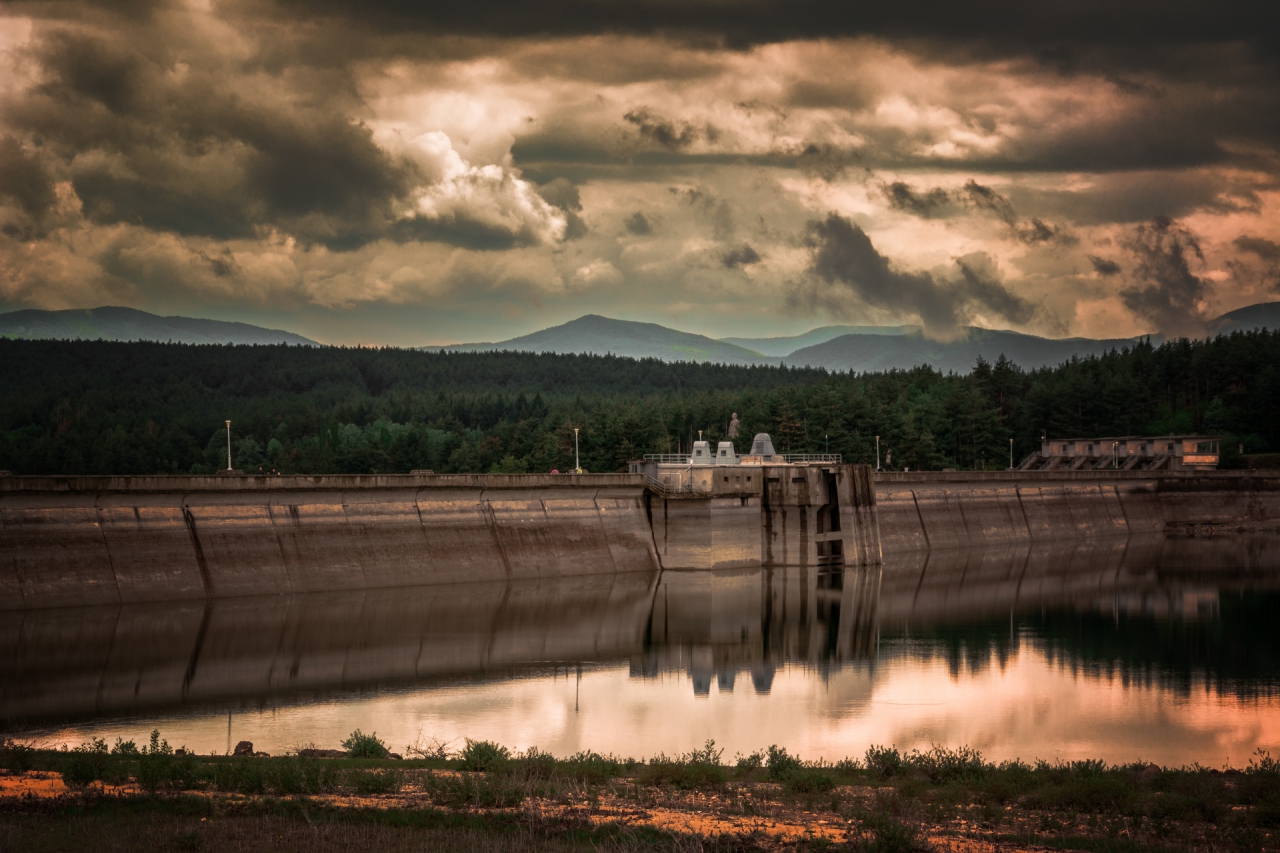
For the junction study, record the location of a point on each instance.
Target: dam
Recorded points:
(73, 541)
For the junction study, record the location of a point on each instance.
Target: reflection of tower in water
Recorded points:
(715, 625)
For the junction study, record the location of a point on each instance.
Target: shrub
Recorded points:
(1263, 763)
(242, 776)
(433, 749)
(848, 766)
(1087, 792)
(707, 755)
(374, 781)
(537, 764)
(888, 835)
(944, 765)
(1267, 812)
(361, 745)
(884, 761)
(484, 755)
(807, 780)
(155, 763)
(125, 748)
(494, 790)
(697, 769)
(594, 767)
(302, 776)
(747, 763)
(781, 764)
(87, 763)
(16, 756)
(682, 774)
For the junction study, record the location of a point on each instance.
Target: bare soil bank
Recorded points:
(887, 803)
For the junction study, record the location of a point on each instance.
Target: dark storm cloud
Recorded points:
(985, 198)
(669, 134)
(982, 285)
(25, 182)
(938, 203)
(1036, 231)
(1104, 267)
(843, 254)
(153, 127)
(1265, 249)
(825, 161)
(740, 257)
(929, 204)
(563, 193)
(1169, 293)
(466, 233)
(638, 224)
(1060, 31)
(716, 210)
(193, 156)
(222, 264)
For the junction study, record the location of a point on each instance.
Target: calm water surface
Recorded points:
(1160, 650)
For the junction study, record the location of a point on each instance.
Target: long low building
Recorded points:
(1126, 452)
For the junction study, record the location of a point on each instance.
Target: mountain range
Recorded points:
(129, 324)
(858, 348)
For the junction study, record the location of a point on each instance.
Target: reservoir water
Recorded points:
(1164, 650)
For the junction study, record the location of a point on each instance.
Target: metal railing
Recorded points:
(1029, 461)
(684, 458)
(666, 490)
(1157, 462)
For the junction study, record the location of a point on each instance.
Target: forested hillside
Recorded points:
(105, 407)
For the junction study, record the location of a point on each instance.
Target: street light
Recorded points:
(877, 453)
(228, 445)
(1011, 454)
(577, 466)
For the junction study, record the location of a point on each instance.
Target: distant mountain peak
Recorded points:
(118, 323)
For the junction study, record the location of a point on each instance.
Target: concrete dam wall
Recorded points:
(71, 541)
(932, 511)
(105, 540)
(74, 541)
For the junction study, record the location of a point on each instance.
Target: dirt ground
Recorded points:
(753, 810)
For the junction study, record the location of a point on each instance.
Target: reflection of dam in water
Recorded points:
(734, 629)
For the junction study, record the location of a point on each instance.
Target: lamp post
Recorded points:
(877, 453)
(228, 445)
(1011, 454)
(827, 444)
(577, 466)
(1115, 454)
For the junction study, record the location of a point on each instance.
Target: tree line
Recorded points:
(99, 407)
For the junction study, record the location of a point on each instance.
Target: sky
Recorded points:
(390, 172)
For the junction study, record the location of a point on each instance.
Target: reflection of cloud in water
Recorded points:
(1030, 709)
(1126, 650)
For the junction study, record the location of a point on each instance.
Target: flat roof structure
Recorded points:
(1126, 452)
